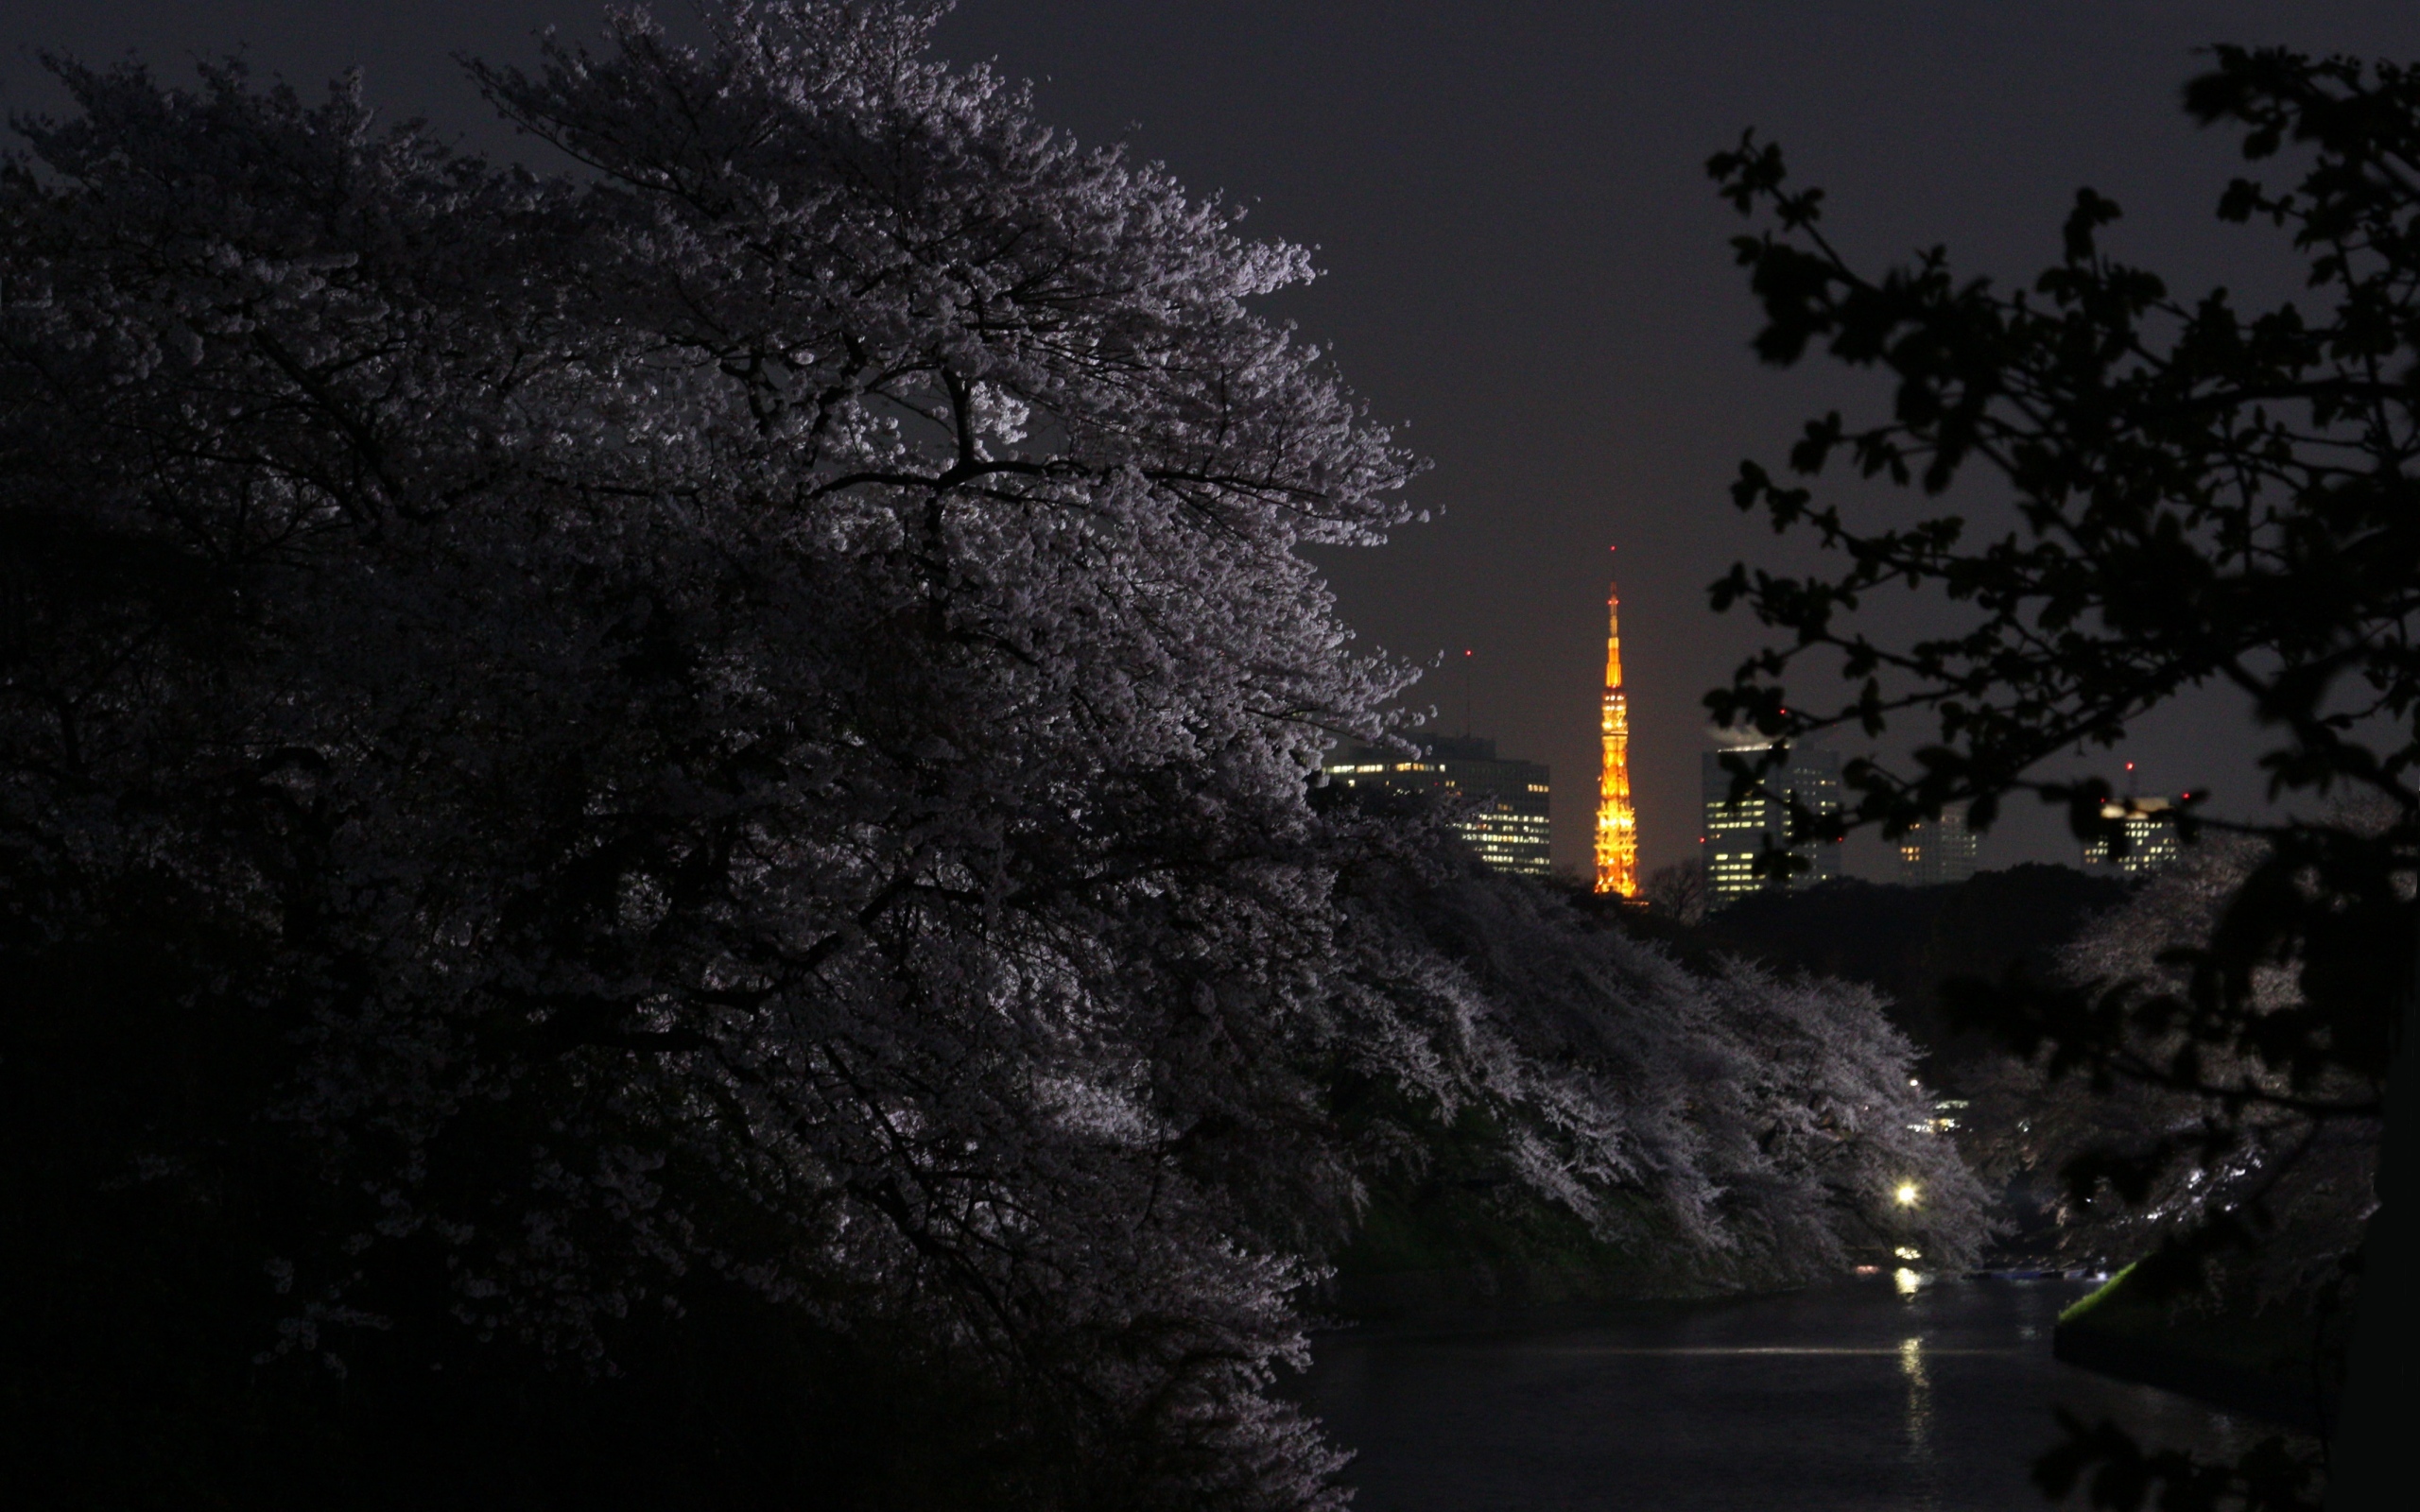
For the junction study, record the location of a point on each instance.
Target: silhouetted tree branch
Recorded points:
(2201, 495)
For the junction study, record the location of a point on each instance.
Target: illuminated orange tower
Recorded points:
(1617, 820)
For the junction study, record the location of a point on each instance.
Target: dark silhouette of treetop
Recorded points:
(2199, 495)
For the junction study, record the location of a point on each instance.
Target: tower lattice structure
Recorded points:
(1617, 820)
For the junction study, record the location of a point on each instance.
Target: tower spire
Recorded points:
(1616, 821)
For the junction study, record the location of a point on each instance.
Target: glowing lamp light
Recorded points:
(1907, 1195)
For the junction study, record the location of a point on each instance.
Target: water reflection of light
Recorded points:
(1906, 1281)
(1756, 1351)
(1912, 1364)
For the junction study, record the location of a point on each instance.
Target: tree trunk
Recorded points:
(2370, 1455)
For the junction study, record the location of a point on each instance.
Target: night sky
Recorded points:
(1526, 266)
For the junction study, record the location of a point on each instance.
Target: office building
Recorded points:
(1503, 802)
(1735, 836)
(2150, 838)
(1938, 851)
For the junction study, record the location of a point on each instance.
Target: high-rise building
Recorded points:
(1506, 818)
(1938, 851)
(1736, 835)
(1617, 819)
(2150, 838)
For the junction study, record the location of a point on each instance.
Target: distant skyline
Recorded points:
(1527, 270)
(1528, 266)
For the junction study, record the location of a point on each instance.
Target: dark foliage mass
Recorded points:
(1908, 942)
(656, 837)
(2197, 493)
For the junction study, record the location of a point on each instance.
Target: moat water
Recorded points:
(1876, 1396)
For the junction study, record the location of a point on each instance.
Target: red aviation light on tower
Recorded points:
(1617, 820)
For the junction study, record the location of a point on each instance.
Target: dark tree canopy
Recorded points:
(2199, 495)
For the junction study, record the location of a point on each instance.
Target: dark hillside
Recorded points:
(1905, 941)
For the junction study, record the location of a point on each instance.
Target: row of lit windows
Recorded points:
(1510, 830)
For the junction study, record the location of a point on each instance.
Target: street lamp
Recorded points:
(1906, 1194)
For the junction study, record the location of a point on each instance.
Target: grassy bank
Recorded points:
(2268, 1361)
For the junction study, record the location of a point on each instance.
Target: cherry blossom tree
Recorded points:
(1747, 1131)
(743, 711)
(736, 724)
